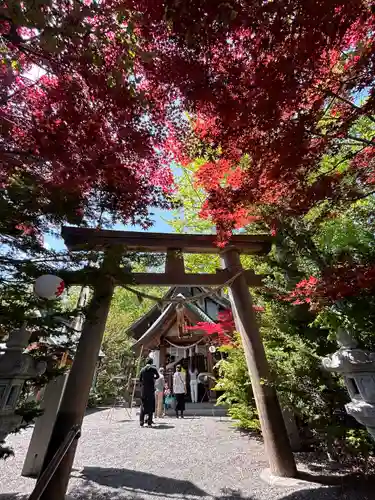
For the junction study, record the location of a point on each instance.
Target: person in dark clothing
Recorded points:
(147, 379)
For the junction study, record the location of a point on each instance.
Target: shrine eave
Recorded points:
(77, 238)
(193, 311)
(156, 327)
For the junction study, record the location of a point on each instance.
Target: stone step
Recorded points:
(201, 410)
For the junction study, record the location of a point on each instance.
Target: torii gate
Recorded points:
(112, 243)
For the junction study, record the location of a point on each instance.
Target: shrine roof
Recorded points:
(166, 315)
(137, 328)
(77, 238)
(196, 310)
(192, 310)
(223, 301)
(155, 328)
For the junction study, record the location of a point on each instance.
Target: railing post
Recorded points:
(278, 450)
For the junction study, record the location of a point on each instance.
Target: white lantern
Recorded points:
(212, 349)
(49, 287)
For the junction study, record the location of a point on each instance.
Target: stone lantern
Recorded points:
(358, 369)
(15, 368)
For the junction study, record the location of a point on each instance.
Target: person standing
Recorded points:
(193, 373)
(159, 394)
(147, 379)
(179, 390)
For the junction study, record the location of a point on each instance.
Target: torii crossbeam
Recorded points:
(74, 401)
(174, 246)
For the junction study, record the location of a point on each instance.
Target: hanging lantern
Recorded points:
(185, 353)
(49, 287)
(212, 349)
(196, 349)
(190, 352)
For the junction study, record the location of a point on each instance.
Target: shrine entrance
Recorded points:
(103, 281)
(172, 332)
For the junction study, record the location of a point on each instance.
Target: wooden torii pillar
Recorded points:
(78, 386)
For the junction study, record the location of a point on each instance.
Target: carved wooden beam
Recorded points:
(77, 238)
(184, 279)
(167, 279)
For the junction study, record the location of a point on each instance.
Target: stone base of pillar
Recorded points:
(43, 427)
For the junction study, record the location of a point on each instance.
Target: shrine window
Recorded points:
(353, 386)
(211, 309)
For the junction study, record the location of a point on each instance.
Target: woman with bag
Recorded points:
(193, 372)
(179, 390)
(159, 394)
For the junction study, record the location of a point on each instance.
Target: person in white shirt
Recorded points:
(159, 394)
(193, 373)
(179, 390)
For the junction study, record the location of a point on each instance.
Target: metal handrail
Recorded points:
(49, 471)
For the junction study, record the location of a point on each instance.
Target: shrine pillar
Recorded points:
(74, 402)
(210, 369)
(163, 355)
(276, 441)
(155, 355)
(51, 399)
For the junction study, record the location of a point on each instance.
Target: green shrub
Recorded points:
(316, 397)
(235, 383)
(244, 416)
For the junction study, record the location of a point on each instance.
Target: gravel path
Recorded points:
(191, 459)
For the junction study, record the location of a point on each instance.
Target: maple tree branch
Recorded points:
(362, 197)
(303, 242)
(26, 154)
(350, 103)
(368, 142)
(186, 175)
(349, 156)
(361, 139)
(10, 260)
(6, 99)
(327, 108)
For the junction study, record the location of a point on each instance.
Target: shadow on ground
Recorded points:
(127, 484)
(123, 484)
(91, 411)
(90, 492)
(330, 493)
(349, 480)
(162, 426)
(137, 481)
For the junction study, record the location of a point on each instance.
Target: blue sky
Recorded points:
(160, 226)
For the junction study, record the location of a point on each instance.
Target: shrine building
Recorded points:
(163, 333)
